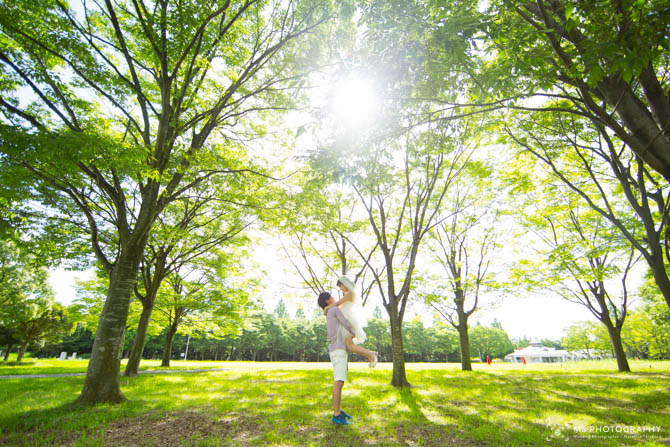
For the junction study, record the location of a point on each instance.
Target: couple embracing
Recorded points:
(345, 330)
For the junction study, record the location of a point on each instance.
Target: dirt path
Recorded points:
(150, 371)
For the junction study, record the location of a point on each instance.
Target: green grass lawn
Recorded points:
(289, 404)
(54, 366)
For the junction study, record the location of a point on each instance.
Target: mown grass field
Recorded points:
(54, 366)
(583, 404)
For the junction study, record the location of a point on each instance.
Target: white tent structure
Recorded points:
(590, 354)
(536, 353)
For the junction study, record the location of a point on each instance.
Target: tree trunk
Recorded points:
(122, 342)
(151, 285)
(398, 353)
(613, 330)
(646, 138)
(462, 328)
(617, 346)
(9, 349)
(464, 342)
(22, 351)
(102, 376)
(661, 280)
(133, 365)
(167, 352)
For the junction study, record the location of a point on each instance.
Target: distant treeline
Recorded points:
(271, 337)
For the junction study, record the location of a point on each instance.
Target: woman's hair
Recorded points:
(346, 282)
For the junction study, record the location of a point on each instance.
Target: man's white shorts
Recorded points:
(339, 359)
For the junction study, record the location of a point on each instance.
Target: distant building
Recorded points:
(536, 353)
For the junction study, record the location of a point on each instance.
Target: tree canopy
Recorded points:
(162, 143)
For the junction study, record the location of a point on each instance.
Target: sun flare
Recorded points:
(355, 101)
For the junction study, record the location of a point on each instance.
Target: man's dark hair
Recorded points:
(323, 297)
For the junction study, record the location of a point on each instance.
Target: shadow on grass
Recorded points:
(525, 409)
(294, 408)
(413, 419)
(53, 426)
(611, 400)
(22, 363)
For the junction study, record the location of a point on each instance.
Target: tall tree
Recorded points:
(574, 149)
(188, 229)
(400, 184)
(148, 87)
(584, 255)
(465, 243)
(603, 62)
(207, 293)
(36, 320)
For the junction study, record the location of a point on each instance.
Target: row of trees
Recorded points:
(133, 120)
(127, 128)
(580, 130)
(275, 337)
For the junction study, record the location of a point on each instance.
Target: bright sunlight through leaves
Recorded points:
(355, 101)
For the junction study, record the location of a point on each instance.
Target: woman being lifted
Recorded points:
(351, 307)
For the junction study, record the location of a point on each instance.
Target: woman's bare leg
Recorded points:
(353, 347)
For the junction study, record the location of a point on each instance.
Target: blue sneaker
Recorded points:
(342, 412)
(340, 420)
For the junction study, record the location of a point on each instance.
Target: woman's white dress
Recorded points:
(353, 311)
